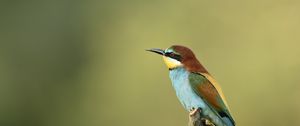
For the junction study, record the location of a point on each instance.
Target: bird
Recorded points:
(194, 86)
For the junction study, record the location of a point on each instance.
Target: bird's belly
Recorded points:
(187, 97)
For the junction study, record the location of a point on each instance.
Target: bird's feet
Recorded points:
(193, 111)
(207, 122)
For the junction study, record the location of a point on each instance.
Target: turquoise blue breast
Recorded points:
(187, 97)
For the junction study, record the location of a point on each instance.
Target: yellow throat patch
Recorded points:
(171, 63)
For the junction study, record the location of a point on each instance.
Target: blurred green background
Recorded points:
(82, 62)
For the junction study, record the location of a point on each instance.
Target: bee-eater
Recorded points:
(194, 86)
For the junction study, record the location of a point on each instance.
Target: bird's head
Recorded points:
(179, 56)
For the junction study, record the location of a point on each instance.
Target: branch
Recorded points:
(195, 119)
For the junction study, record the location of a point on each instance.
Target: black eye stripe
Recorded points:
(173, 55)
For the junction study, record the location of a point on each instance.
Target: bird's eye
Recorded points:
(172, 55)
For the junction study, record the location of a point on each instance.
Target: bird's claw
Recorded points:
(207, 122)
(193, 111)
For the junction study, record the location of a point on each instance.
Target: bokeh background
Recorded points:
(82, 62)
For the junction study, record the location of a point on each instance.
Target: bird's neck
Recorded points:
(178, 76)
(193, 65)
(179, 73)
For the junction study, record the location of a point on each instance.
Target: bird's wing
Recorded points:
(208, 89)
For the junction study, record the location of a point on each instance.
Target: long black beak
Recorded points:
(158, 51)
